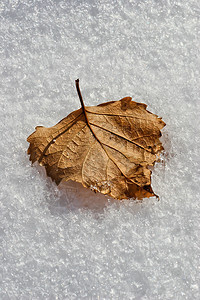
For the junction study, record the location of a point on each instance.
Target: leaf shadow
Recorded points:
(72, 196)
(166, 140)
(75, 196)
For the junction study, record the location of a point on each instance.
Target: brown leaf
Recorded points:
(107, 148)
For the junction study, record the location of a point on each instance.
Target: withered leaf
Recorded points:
(107, 148)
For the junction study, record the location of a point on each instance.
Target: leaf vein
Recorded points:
(132, 142)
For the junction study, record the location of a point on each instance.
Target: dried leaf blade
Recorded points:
(107, 148)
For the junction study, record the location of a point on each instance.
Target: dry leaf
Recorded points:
(107, 148)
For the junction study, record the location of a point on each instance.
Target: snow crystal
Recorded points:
(68, 242)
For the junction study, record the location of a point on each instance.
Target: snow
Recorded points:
(68, 242)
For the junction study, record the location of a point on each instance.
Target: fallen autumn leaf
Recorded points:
(107, 148)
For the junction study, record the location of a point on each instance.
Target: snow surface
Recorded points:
(69, 243)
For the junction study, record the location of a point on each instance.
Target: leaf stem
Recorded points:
(81, 100)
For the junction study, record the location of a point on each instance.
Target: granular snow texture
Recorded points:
(69, 243)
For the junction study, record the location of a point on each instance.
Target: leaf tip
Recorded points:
(125, 103)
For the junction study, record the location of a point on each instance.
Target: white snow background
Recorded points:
(69, 243)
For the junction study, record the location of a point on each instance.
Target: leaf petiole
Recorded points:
(81, 100)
